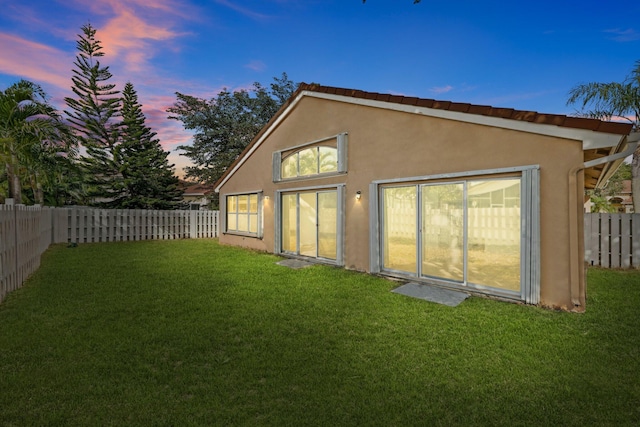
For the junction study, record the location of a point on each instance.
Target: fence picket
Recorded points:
(612, 240)
(635, 240)
(625, 241)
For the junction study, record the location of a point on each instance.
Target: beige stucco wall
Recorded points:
(384, 144)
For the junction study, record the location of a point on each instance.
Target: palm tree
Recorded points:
(607, 101)
(28, 127)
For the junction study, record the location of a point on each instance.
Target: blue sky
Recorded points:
(523, 55)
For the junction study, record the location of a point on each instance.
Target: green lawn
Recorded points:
(192, 333)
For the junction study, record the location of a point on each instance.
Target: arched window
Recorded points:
(326, 156)
(310, 161)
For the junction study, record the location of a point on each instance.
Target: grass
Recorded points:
(193, 333)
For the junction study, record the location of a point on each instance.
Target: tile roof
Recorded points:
(189, 187)
(484, 110)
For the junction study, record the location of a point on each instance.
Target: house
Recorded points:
(195, 195)
(621, 202)
(468, 197)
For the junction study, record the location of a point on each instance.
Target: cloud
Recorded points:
(441, 89)
(515, 98)
(35, 61)
(243, 10)
(131, 35)
(256, 65)
(619, 35)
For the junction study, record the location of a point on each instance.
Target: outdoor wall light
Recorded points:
(266, 197)
(358, 194)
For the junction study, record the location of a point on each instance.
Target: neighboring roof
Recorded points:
(609, 140)
(194, 188)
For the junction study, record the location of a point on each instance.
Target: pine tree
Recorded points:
(94, 115)
(148, 177)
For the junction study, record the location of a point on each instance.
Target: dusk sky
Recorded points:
(523, 55)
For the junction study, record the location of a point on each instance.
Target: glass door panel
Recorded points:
(308, 230)
(494, 233)
(310, 224)
(290, 223)
(327, 224)
(399, 240)
(443, 231)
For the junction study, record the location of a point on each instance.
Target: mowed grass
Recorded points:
(193, 333)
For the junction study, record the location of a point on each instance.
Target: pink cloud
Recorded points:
(129, 38)
(34, 61)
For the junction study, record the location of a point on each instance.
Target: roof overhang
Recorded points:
(601, 164)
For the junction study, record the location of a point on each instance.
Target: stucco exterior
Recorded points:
(386, 144)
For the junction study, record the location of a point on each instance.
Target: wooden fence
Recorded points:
(612, 240)
(86, 225)
(27, 231)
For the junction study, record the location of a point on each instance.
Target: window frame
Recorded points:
(341, 152)
(258, 215)
(340, 211)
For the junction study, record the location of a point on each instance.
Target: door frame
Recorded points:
(340, 221)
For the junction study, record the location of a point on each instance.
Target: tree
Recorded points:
(93, 114)
(600, 197)
(606, 101)
(148, 178)
(225, 125)
(32, 134)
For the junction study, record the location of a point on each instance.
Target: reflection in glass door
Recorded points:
(328, 224)
(400, 228)
(309, 224)
(467, 232)
(290, 223)
(494, 233)
(443, 231)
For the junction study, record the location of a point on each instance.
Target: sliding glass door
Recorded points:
(309, 224)
(466, 232)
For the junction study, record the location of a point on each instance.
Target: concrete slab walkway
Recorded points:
(432, 293)
(294, 263)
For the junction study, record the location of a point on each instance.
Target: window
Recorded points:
(310, 161)
(466, 231)
(323, 157)
(242, 214)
